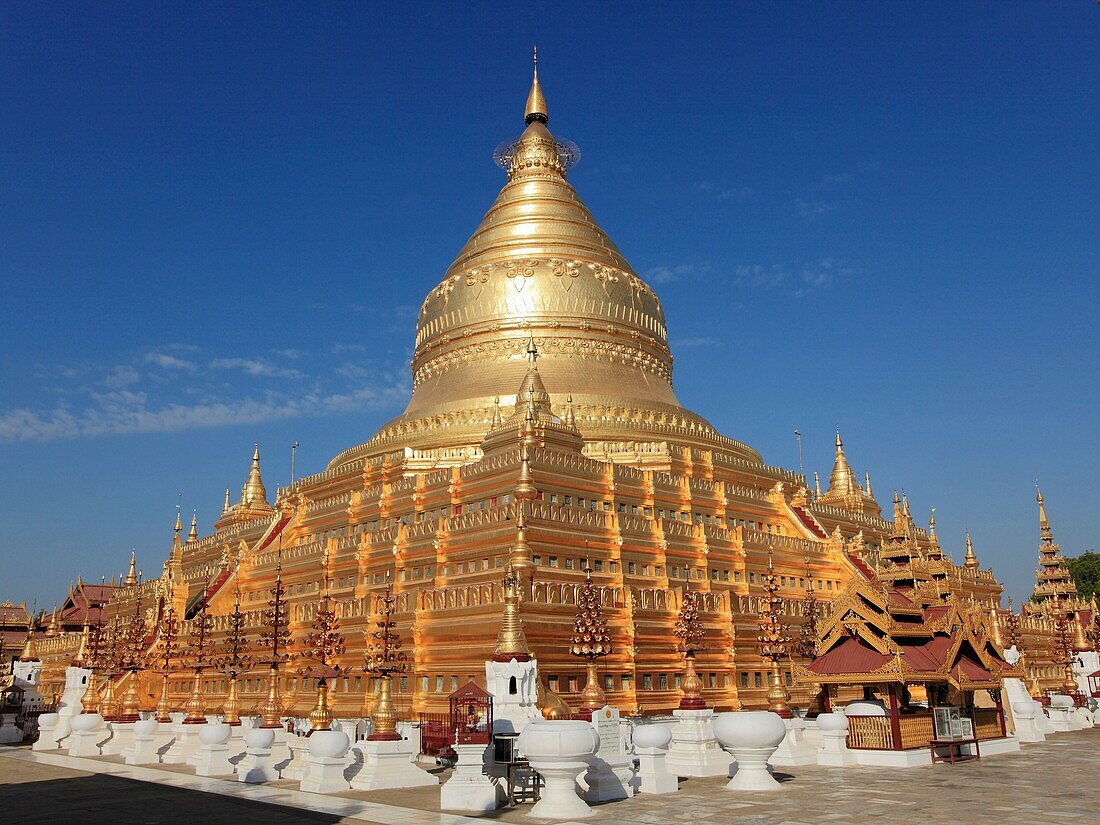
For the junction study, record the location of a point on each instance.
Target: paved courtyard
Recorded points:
(1054, 782)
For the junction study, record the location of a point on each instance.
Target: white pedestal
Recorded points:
(257, 765)
(694, 750)
(50, 732)
(213, 760)
(325, 774)
(653, 775)
(1061, 719)
(834, 751)
(794, 750)
(386, 765)
(86, 742)
(606, 781)
(143, 751)
(185, 745)
(469, 789)
(295, 769)
(122, 737)
(752, 770)
(1025, 718)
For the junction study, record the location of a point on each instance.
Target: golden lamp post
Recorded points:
(774, 640)
(131, 660)
(323, 645)
(201, 629)
(384, 658)
(590, 641)
(275, 636)
(689, 634)
(165, 651)
(233, 659)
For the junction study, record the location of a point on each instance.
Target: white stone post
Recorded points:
(144, 749)
(258, 763)
(213, 756)
(49, 732)
(695, 750)
(89, 730)
(469, 789)
(327, 759)
(387, 764)
(834, 750)
(651, 748)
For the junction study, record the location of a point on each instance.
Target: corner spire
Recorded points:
(227, 505)
(1044, 522)
(253, 492)
(536, 103)
(131, 575)
(193, 533)
(511, 643)
(971, 562)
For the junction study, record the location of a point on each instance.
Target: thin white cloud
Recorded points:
(668, 274)
(171, 362)
(122, 376)
(815, 208)
(798, 281)
(254, 366)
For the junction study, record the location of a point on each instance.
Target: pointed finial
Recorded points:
(839, 443)
(178, 528)
(932, 525)
(867, 485)
(570, 418)
(817, 485)
(532, 351)
(536, 103)
(1044, 522)
(971, 561)
(193, 533)
(225, 507)
(497, 418)
(131, 575)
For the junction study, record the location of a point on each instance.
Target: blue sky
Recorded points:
(217, 225)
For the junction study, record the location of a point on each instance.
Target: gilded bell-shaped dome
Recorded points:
(539, 267)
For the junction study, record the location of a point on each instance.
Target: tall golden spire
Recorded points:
(536, 104)
(525, 488)
(131, 574)
(511, 643)
(841, 479)
(570, 418)
(227, 505)
(30, 647)
(253, 492)
(54, 628)
(932, 526)
(193, 533)
(867, 484)
(1044, 522)
(971, 562)
(817, 485)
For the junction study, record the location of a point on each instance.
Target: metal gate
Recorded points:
(436, 733)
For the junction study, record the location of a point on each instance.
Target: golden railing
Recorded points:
(987, 723)
(916, 730)
(870, 733)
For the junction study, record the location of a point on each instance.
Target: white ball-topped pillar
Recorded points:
(324, 772)
(651, 748)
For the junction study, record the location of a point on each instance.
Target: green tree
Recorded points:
(1085, 570)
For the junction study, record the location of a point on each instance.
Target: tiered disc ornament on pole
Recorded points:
(590, 641)
(165, 652)
(689, 635)
(384, 657)
(323, 645)
(201, 647)
(775, 640)
(806, 646)
(112, 638)
(275, 636)
(131, 660)
(233, 659)
(93, 660)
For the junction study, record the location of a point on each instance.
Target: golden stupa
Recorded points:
(543, 436)
(540, 266)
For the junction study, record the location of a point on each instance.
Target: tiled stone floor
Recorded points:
(1053, 782)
